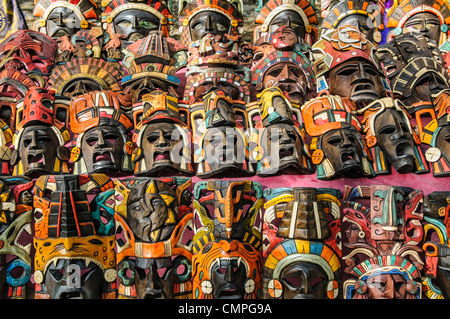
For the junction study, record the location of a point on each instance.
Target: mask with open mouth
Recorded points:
(101, 128)
(75, 256)
(353, 71)
(41, 134)
(391, 139)
(337, 144)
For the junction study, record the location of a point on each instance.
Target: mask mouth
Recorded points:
(349, 158)
(364, 91)
(102, 157)
(36, 160)
(60, 33)
(74, 294)
(159, 156)
(286, 151)
(229, 291)
(135, 36)
(105, 217)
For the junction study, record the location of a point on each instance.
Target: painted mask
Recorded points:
(337, 144)
(74, 257)
(436, 210)
(102, 131)
(345, 65)
(385, 217)
(15, 237)
(163, 140)
(292, 74)
(367, 16)
(227, 240)
(297, 15)
(388, 130)
(135, 19)
(424, 17)
(151, 244)
(41, 134)
(64, 17)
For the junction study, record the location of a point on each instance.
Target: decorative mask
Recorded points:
(281, 137)
(163, 141)
(298, 15)
(153, 64)
(85, 75)
(41, 134)
(345, 65)
(30, 52)
(226, 261)
(134, 19)
(366, 15)
(292, 74)
(218, 17)
(436, 208)
(15, 237)
(301, 243)
(337, 145)
(75, 255)
(414, 67)
(83, 44)
(64, 17)
(391, 139)
(382, 227)
(427, 17)
(153, 222)
(220, 140)
(102, 130)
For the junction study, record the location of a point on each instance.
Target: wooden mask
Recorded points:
(301, 243)
(102, 132)
(345, 65)
(436, 208)
(337, 146)
(75, 255)
(227, 240)
(162, 139)
(15, 237)
(281, 136)
(64, 17)
(153, 225)
(391, 139)
(41, 134)
(366, 15)
(382, 231)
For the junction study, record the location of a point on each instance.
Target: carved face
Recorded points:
(424, 23)
(443, 273)
(228, 277)
(38, 148)
(73, 279)
(214, 84)
(135, 24)
(395, 140)
(103, 149)
(303, 280)
(208, 22)
(149, 284)
(357, 80)
(343, 149)
(62, 21)
(162, 146)
(288, 77)
(386, 286)
(362, 22)
(288, 18)
(283, 144)
(223, 147)
(147, 215)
